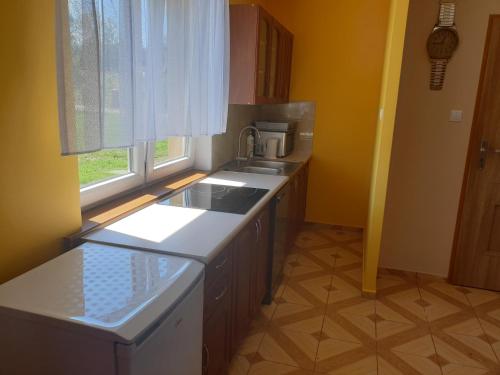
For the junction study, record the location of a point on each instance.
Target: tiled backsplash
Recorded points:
(225, 147)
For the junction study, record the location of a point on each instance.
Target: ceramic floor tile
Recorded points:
(387, 284)
(492, 334)
(342, 234)
(342, 290)
(335, 327)
(489, 311)
(393, 312)
(309, 261)
(263, 318)
(239, 365)
(334, 355)
(465, 351)
(298, 318)
(402, 276)
(463, 323)
(388, 330)
(353, 273)
(308, 289)
(326, 257)
(350, 327)
(311, 240)
(436, 307)
(480, 297)
(355, 306)
(302, 271)
(346, 257)
(408, 302)
(293, 295)
(405, 338)
(419, 345)
(272, 368)
(453, 369)
(367, 365)
(357, 246)
(448, 292)
(385, 368)
(289, 347)
(397, 363)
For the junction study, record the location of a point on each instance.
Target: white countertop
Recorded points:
(194, 233)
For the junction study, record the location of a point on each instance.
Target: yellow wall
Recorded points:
(383, 144)
(39, 189)
(337, 62)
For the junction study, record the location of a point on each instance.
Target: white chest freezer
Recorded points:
(101, 309)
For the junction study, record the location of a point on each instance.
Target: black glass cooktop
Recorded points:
(221, 198)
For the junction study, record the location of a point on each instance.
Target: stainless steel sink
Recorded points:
(268, 164)
(260, 170)
(270, 167)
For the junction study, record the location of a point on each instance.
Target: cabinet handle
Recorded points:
(207, 360)
(257, 234)
(223, 293)
(221, 264)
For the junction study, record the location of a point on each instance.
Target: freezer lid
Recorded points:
(115, 290)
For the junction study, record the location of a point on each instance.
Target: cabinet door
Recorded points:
(285, 49)
(262, 258)
(216, 339)
(274, 38)
(242, 270)
(264, 32)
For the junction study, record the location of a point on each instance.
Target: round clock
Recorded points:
(442, 42)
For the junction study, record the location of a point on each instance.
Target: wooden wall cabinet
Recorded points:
(261, 57)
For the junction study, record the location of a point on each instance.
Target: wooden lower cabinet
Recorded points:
(261, 260)
(236, 281)
(217, 313)
(250, 274)
(216, 339)
(235, 285)
(242, 279)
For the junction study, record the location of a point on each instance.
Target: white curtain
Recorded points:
(131, 71)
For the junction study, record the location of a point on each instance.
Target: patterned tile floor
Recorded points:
(320, 324)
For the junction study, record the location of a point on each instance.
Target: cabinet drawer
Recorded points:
(216, 294)
(219, 267)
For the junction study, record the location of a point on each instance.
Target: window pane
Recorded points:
(169, 149)
(103, 165)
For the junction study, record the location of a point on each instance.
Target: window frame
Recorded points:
(93, 194)
(170, 167)
(142, 172)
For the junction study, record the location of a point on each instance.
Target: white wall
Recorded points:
(429, 153)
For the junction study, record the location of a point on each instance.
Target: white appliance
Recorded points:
(106, 310)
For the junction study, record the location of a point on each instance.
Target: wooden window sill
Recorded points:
(116, 209)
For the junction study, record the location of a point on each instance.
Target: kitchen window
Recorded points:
(137, 80)
(109, 172)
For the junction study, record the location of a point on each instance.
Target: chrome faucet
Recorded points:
(239, 142)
